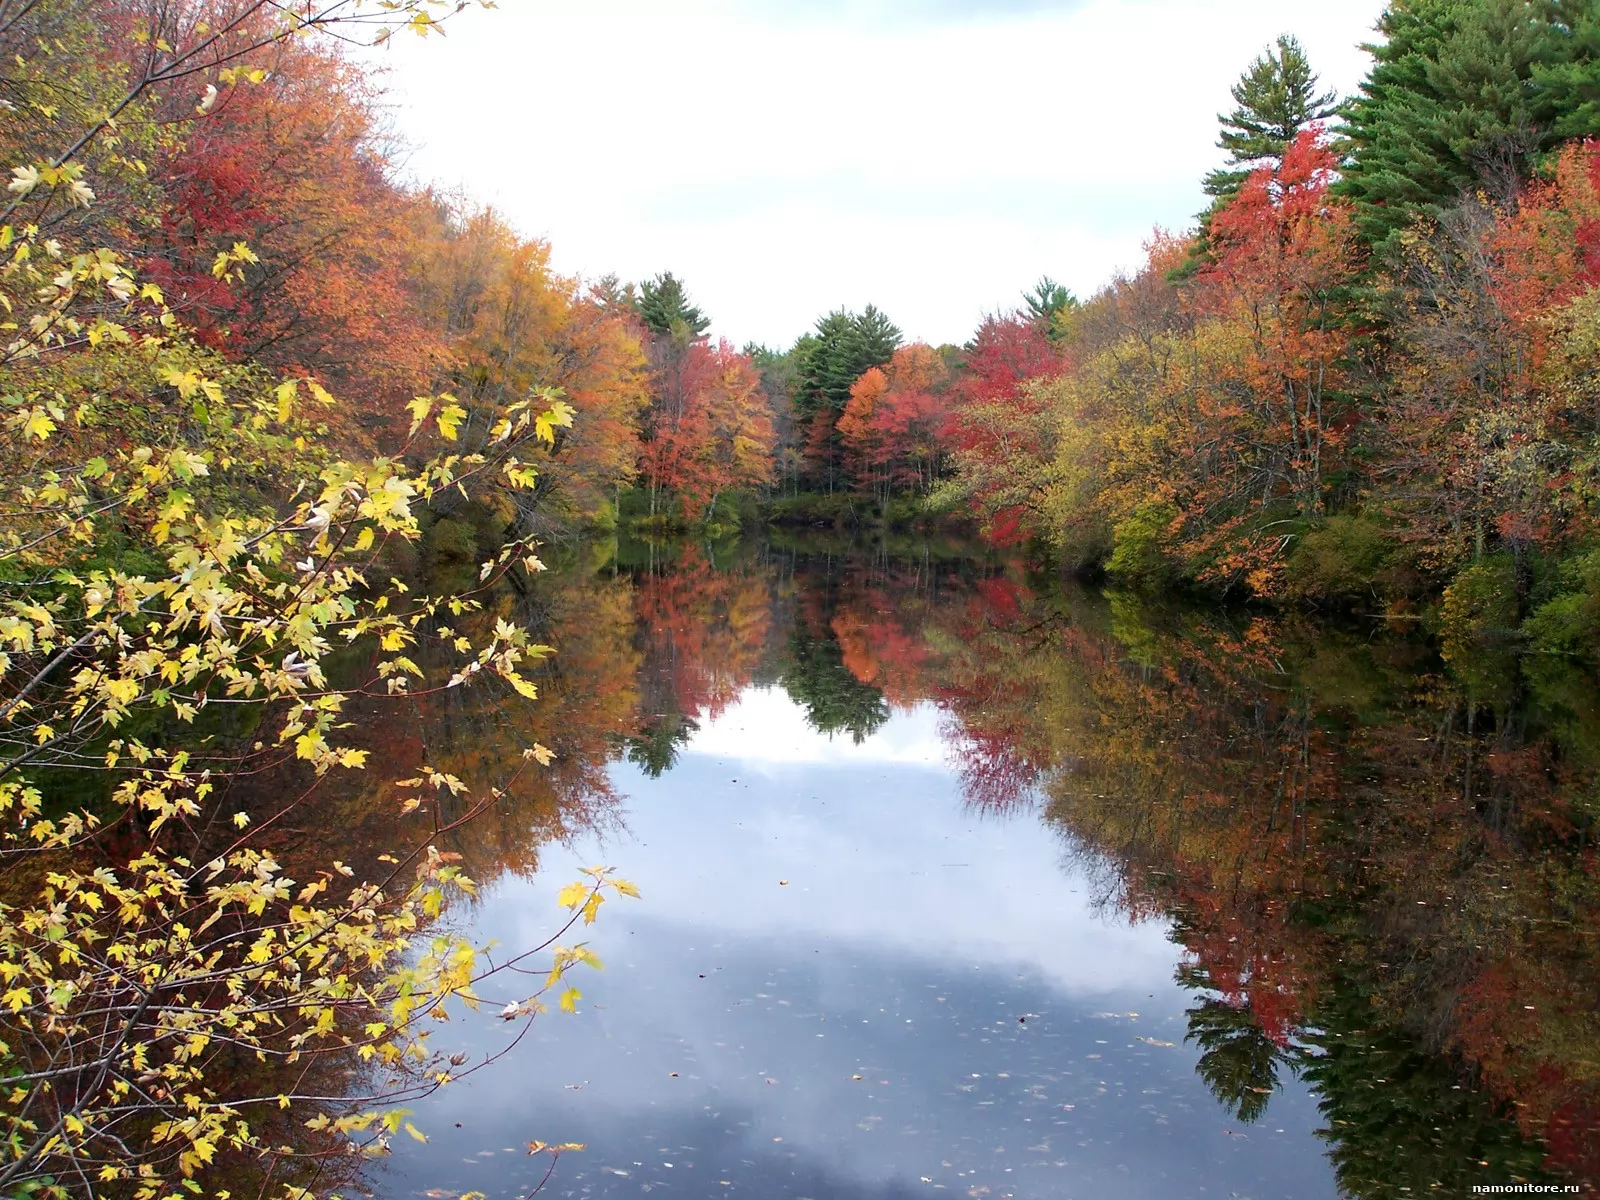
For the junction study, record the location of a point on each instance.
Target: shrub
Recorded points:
(1139, 555)
(1340, 560)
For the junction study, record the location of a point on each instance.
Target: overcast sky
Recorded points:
(786, 157)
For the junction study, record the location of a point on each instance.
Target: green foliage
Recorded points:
(654, 750)
(1481, 602)
(1570, 82)
(1477, 620)
(1463, 95)
(1238, 1061)
(1340, 560)
(1139, 555)
(1400, 1120)
(834, 699)
(1050, 305)
(844, 346)
(663, 305)
(1275, 99)
(453, 540)
(1569, 622)
(819, 509)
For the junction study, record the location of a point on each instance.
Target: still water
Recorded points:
(957, 880)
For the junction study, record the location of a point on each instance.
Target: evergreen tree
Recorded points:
(1570, 85)
(1276, 99)
(664, 307)
(844, 346)
(1045, 304)
(1466, 95)
(826, 363)
(835, 701)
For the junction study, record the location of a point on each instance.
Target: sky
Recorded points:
(788, 157)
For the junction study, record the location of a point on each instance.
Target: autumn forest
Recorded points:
(1266, 576)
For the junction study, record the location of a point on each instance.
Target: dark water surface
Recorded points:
(956, 880)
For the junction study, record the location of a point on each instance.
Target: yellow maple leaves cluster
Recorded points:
(182, 556)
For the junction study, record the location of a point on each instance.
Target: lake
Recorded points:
(958, 879)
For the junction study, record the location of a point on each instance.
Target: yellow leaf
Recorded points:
(450, 418)
(39, 425)
(286, 393)
(419, 408)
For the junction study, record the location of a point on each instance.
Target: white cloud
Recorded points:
(875, 847)
(933, 159)
(764, 729)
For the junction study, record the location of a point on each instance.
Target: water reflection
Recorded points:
(1096, 899)
(846, 983)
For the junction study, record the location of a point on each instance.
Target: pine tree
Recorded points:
(1570, 86)
(828, 362)
(844, 346)
(1463, 96)
(1277, 98)
(664, 307)
(1045, 303)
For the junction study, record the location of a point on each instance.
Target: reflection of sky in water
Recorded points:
(904, 946)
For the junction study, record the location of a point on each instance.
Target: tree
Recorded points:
(780, 381)
(663, 305)
(289, 166)
(710, 430)
(893, 428)
(1000, 433)
(1283, 253)
(511, 327)
(1047, 304)
(1276, 100)
(732, 429)
(1463, 95)
(181, 552)
(844, 346)
(1484, 428)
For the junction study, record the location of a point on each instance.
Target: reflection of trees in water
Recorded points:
(1318, 806)
(1357, 853)
(835, 700)
(654, 749)
(1238, 1061)
(1374, 872)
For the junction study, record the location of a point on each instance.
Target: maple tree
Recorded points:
(893, 426)
(1001, 430)
(182, 551)
(284, 163)
(708, 429)
(512, 326)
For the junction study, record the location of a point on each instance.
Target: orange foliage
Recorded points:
(290, 167)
